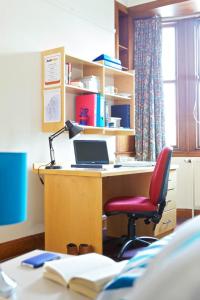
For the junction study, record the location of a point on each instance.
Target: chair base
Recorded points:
(145, 240)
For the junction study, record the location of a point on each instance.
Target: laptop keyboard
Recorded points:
(87, 166)
(137, 163)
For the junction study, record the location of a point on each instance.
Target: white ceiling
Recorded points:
(129, 3)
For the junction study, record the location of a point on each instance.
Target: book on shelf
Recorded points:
(110, 64)
(122, 111)
(90, 110)
(86, 274)
(108, 58)
(109, 61)
(100, 122)
(86, 107)
(68, 73)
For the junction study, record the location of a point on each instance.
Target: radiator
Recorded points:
(188, 182)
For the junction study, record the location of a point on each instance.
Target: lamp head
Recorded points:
(73, 129)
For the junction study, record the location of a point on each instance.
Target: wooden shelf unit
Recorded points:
(124, 36)
(123, 81)
(124, 51)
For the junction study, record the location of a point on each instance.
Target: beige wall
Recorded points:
(86, 29)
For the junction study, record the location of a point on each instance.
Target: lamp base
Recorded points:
(7, 285)
(53, 167)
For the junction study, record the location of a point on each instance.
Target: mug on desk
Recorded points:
(110, 89)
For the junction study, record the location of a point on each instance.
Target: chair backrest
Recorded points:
(160, 176)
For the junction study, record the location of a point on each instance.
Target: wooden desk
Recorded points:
(74, 200)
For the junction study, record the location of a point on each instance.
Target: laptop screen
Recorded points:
(91, 152)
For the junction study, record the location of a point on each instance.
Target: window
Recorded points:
(181, 83)
(169, 82)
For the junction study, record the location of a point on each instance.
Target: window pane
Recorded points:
(196, 114)
(196, 110)
(170, 113)
(168, 53)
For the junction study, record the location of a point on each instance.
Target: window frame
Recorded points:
(187, 131)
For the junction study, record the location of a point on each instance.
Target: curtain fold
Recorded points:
(149, 103)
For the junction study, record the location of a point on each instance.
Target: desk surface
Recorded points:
(105, 172)
(32, 285)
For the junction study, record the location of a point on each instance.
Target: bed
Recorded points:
(168, 269)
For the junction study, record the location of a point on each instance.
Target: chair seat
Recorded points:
(130, 204)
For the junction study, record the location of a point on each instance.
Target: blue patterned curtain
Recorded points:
(149, 103)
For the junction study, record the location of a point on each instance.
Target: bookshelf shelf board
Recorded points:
(117, 97)
(119, 131)
(121, 47)
(107, 130)
(115, 72)
(77, 90)
(78, 61)
(124, 68)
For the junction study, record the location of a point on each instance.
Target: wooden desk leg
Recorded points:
(73, 212)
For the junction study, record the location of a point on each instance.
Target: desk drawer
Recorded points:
(167, 223)
(170, 200)
(172, 180)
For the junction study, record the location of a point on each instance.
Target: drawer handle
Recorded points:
(168, 201)
(167, 222)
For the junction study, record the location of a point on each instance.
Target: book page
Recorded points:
(97, 278)
(64, 269)
(84, 290)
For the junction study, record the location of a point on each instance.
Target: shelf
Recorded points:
(115, 72)
(78, 61)
(80, 68)
(117, 97)
(107, 131)
(121, 47)
(125, 68)
(77, 90)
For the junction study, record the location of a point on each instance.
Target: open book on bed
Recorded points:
(86, 274)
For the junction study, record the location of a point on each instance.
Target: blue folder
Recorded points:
(107, 59)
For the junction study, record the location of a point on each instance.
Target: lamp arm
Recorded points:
(51, 138)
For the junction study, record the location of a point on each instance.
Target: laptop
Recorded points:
(90, 153)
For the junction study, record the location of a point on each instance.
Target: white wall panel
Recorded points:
(188, 182)
(86, 29)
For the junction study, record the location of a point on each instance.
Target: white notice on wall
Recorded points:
(52, 70)
(52, 105)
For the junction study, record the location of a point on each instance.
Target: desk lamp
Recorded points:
(73, 131)
(13, 201)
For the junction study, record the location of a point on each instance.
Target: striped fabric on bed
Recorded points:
(167, 269)
(133, 270)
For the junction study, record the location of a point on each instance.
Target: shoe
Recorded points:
(85, 248)
(72, 249)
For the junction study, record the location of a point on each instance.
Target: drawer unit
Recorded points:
(170, 200)
(172, 180)
(167, 223)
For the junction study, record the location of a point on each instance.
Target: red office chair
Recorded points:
(150, 208)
